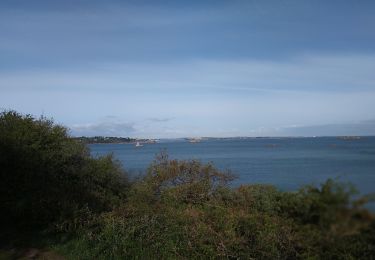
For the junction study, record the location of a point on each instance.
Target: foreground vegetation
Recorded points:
(55, 196)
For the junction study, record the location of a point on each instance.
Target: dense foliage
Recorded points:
(179, 209)
(49, 178)
(184, 209)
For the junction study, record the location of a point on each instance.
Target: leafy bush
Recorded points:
(179, 209)
(185, 209)
(47, 177)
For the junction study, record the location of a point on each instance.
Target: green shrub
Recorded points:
(178, 210)
(185, 209)
(48, 178)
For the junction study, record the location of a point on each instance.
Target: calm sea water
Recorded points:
(287, 163)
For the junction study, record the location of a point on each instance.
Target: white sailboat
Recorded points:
(137, 144)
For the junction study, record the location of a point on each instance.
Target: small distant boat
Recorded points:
(137, 144)
(194, 140)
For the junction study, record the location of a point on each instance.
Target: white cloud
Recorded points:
(203, 97)
(104, 128)
(304, 73)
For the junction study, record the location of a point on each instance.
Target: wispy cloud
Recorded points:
(357, 128)
(301, 73)
(49, 34)
(202, 97)
(104, 128)
(159, 120)
(180, 68)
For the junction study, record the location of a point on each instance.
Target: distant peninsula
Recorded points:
(111, 140)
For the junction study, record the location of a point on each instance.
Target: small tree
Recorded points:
(183, 181)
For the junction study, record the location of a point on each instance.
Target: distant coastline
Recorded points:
(111, 140)
(128, 140)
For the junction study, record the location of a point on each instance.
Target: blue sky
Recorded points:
(191, 68)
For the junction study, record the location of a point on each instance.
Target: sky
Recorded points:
(168, 69)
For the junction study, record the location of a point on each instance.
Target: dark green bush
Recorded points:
(48, 178)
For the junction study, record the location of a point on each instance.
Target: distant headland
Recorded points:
(111, 140)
